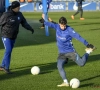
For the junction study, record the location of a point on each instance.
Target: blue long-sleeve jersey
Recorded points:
(64, 37)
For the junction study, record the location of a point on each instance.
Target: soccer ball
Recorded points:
(74, 83)
(35, 70)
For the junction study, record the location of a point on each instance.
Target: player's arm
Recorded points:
(26, 25)
(3, 19)
(51, 24)
(51, 20)
(77, 36)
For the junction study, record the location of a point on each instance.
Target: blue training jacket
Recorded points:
(64, 37)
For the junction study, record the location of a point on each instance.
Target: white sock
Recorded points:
(65, 80)
(88, 51)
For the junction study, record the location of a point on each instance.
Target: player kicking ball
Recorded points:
(64, 36)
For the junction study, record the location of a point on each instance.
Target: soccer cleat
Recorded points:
(1, 68)
(63, 84)
(5, 70)
(72, 17)
(42, 27)
(81, 18)
(89, 50)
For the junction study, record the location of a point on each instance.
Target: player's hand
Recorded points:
(32, 30)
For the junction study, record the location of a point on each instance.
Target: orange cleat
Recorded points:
(72, 17)
(81, 18)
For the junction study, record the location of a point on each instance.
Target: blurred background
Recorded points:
(58, 5)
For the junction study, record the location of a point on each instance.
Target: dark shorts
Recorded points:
(67, 56)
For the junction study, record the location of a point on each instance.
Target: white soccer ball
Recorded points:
(35, 70)
(74, 83)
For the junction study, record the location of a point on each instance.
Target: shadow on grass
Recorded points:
(23, 71)
(95, 29)
(90, 23)
(45, 68)
(98, 76)
(86, 85)
(90, 84)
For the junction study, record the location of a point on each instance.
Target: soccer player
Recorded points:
(2, 7)
(48, 4)
(64, 36)
(79, 3)
(10, 22)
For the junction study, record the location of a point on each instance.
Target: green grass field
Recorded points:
(40, 50)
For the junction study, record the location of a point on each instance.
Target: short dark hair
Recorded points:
(63, 20)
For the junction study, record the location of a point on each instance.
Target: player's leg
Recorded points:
(81, 13)
(41, 21)
(47, 19)
(75, 13)
(77, 59)
(42, 25)
(60, 65)
(81, 61)
(8, 44)
(42, 18)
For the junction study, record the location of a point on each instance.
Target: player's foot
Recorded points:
(42, 27)
(90, 50)
(81, 18)
(72, 17)
(63, 84)
(5, 70)
(1, 68)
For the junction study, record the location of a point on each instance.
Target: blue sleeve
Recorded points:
(50, 24)
(78, 37)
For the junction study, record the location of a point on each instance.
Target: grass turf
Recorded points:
(38, 49)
